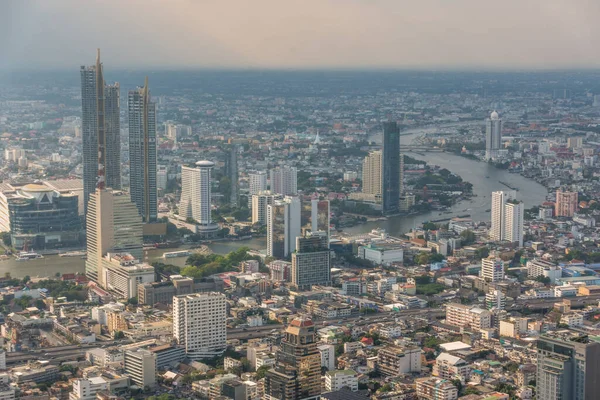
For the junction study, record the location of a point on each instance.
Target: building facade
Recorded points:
(371, 173)
(492, 269)
(142, 152)
(390, 165)
(140, 366)
(283, 227)
(566, 203)
(507, 217)
(260, 201)
(257, 182)
(493, 136)
(284, 180)
(311, 262)
(196, 193)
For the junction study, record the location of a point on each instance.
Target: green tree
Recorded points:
(467, 237)
(261, 371)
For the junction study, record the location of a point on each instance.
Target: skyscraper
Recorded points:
(311, 262)
(566, 203)
(507, 217)
(257, 182)
(260, 201)
(371, 173)
(142, 152)
(200, 324)
(196, 192)
(390, 165)
(493, 136)
(401, 174)
(113, 225)
(284, 180)
(283, 227)
(100, 126)
(320, 217)
(297, 371)
(233, 175)
(568, 366)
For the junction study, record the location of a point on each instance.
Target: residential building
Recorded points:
(320, 217)
(493, 136)
(311, 262)
(436, 389)
(86, 389)
(140, 366)
(283, 227)
(113, 226)
(567, 366)
(284, 180)
(100, 127)
(451, 367)
(541, 268)
(260, 201)
(142, 152)
(233, 172)
(338, 379)
(297, 372)
(371, 173)
(327, 356)
(123, 273)
(199, 324)
(566, 203)
(514, 327)
(469, 317)
(196, 193)
(390, 165)
(257, 182)
(395, 360)
(507, 217)
(492, 269)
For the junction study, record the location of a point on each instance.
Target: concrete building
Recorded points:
(283, 227)
(140, 366)
(260, 201)
(390, 168)
(469, 317)
(566, 203)
(257, 182)
(327, 356)
(382, 253)
(162, 177)
(297, 373)
(451, 367)
(311, 262)
(540, 267)
(284, 180)
(436, 389)
(196, 194)
(338, 379)
(142, 152)
(123, 273)
(86, 389)
(492, 269)
(320, 217)
(101, 129)
(113, 226)
(568, 366)
(199, 324)
(507, 217)
(371, 173)
(493, 136)
(394, 360)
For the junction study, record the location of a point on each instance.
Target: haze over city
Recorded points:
(432, 34)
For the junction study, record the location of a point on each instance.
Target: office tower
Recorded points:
(566, 203)
(513, 222)
(284, 180)
(196, 192)
(199, 324)
(283, 227)
(492, 269)
(390, 166)
(311, 262)
(100, 126)
(233, 175)
(142, 152)
(297, 371)
(371, 173)
(568, 366)
(162, 177)
(401, 174)
(113, 225)
(257, 183)
(260, 201)
(507, 217)
(493, 136)
(140, 366)
(320, 217)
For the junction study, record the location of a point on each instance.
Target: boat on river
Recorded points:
(28, 255)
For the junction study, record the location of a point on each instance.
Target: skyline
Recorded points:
(352, 34)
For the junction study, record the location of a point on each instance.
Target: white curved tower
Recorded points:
(196, 192)
(493, 136)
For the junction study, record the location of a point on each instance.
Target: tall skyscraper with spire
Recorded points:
(100, 130)
(390, 163)
(142, 152)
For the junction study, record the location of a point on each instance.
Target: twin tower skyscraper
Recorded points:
(102, 140)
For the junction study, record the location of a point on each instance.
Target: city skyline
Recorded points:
(267, 34)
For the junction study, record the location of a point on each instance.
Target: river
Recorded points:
(484, 177)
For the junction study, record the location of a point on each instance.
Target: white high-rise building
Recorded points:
(320, 217)
(257, 183)
(507, 217)
(492, 269)
(284, 180)
(162, 177)
(283, 226)
(493, 136)
(260, 201)
(140, 366)
(200, 324)
(196, 192)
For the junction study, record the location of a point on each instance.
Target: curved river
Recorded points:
(485, 180)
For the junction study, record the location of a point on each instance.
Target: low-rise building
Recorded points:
(338, 379)
(436, 389)
(394, 360)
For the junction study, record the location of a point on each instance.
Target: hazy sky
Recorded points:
(301, 33)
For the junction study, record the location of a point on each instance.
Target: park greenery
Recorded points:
(202, 265)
